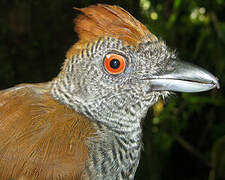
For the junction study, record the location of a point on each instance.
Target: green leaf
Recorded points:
(177, 4)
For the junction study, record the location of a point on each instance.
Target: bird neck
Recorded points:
(115, 150)
(116, 153)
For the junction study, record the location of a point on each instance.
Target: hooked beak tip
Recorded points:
(217, 85)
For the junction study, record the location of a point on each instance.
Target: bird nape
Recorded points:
(86, 123)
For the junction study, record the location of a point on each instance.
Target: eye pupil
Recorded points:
(114, 63)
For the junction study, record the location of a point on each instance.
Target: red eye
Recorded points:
(114, 63)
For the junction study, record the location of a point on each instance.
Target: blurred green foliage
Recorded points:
(184, 137)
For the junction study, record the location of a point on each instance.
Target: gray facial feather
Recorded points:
(115, 103)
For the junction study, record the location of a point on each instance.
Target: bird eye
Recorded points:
(114, 63)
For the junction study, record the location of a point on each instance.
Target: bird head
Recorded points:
(118, 68)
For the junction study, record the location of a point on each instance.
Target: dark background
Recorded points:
(184, 137)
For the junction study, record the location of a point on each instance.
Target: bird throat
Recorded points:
(114, 155)
(114, 152)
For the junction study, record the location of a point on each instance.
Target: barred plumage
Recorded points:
(86, 123)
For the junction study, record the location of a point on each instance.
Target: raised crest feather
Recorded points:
(106, 20)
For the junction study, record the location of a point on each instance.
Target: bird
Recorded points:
(86, 123)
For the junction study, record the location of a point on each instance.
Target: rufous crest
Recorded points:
(108, 21)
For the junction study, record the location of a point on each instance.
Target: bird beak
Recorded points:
(183, 77)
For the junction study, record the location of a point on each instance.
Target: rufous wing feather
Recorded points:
(40, 138)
